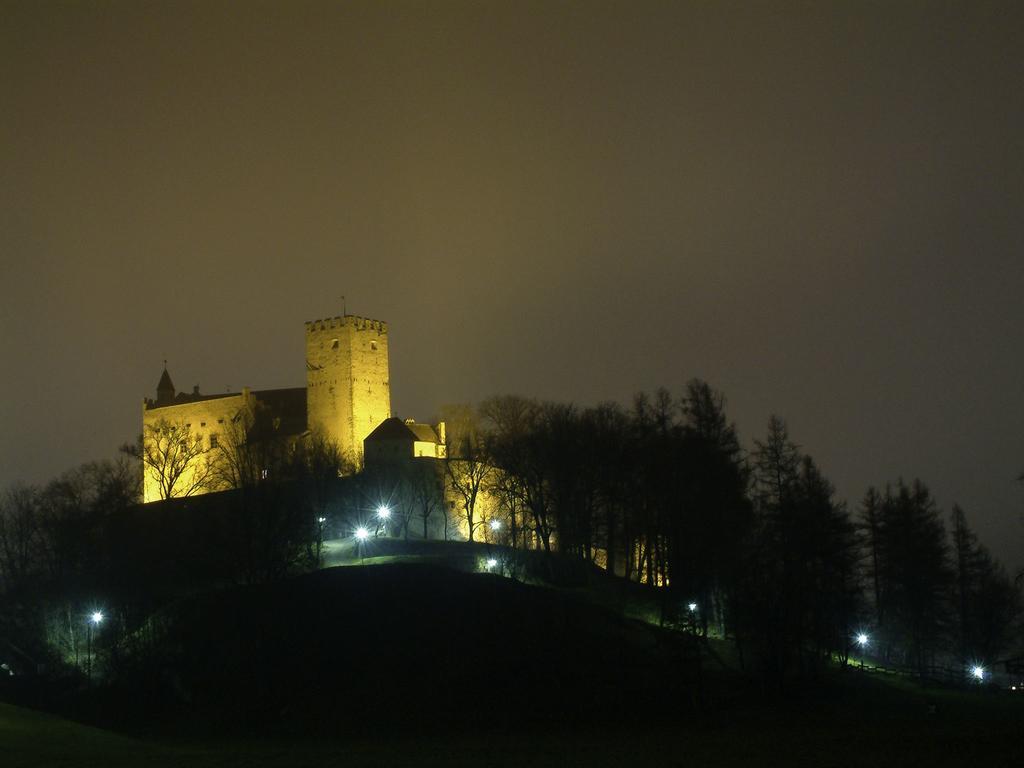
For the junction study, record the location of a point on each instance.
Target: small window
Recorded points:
(188, 426)
(202, 423)
(213, 441)
(334, 344)
(373, 345)
(220, 421)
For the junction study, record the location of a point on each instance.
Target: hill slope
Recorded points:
(339, 649)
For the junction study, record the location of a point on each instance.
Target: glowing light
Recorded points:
(692, 607)
(491, 563)
(495, 525)
(362, 534)
(96, 617)
(321, 520)
(383, 512)
(979, 673)
(862, 639)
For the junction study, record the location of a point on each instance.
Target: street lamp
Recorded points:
(361, 536)
(978, 672)
(95, 619)
(862, 640)
(495, 525)
(383, 515)
(319, 537)
(692, 607)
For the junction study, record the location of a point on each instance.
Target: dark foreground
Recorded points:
(417, 665)
(965, 731)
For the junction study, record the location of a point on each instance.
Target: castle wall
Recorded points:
(348, 389)
(211, 419)
(348, 394)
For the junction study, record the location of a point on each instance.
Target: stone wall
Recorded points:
(210, 419)
(348, 389)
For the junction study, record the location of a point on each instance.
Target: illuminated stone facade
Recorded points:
(204, 418)
(347, 394)
(395, 440)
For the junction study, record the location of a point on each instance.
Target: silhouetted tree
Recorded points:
(467, 468)
(914, 575)
(871, 524)
(424, 481)
(799, 598)
(987, 601)
(517, 448)
(272, 526)
(715, 508)
(20, 536)
(176, 459)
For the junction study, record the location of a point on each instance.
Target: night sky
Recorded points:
(817, 207)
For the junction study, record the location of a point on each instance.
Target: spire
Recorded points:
(165, 389)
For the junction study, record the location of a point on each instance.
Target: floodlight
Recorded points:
(96, 617)
(362, 534)
(491, 563)
(383, 512)
(862, 639)
(978, 672)
(692, 607)
(321, 520)
(495, 525)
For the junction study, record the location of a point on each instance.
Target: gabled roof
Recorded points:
(396, 429)
(424, 432)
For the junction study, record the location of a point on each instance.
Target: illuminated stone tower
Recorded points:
(347, 385)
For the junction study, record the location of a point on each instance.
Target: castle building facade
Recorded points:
(347, 395)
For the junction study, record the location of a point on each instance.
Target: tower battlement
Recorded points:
(347, 389)
(347, 394)
(355, 321)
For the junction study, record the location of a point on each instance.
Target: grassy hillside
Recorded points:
(347, 649)
(414, 664)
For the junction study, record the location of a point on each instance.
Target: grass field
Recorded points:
(857, 723)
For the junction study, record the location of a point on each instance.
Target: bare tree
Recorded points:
(425, 490)
(176, 459)
(20, 534)
(467, 468)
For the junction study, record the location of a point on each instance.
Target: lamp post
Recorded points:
(361, 535)
(319, 537)
(495, 526)
(95, 619)
(863, 641)
(383, 515)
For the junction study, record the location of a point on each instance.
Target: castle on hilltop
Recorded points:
(347, 397)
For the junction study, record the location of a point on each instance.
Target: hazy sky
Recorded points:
(815, 206)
